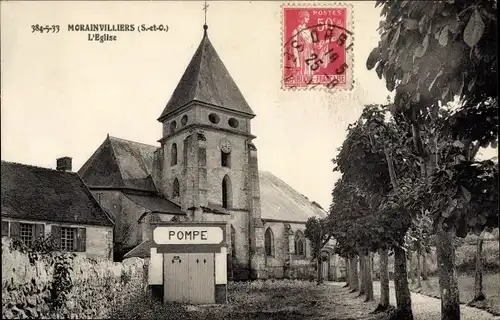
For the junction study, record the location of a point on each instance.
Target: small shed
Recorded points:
(189, 262)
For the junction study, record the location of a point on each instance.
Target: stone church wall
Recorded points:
(236, 171)
(300, 267)
(125, 214)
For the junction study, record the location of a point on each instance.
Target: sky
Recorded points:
(62, 94)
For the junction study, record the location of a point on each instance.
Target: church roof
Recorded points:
(34, 193)
(207, 80)
(280, 202)
(154, 203)
(120, 163)
(142, 250)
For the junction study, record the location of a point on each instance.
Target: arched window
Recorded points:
(226, 192)
(300, 243)
(225, 158)
(269, 242)
(175, 189)
(173, 155)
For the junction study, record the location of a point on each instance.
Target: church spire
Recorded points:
(207, 80)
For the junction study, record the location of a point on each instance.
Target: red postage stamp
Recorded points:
(317, 46)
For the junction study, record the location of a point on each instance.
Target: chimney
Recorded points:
(64, 164)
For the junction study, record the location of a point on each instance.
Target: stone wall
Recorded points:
(99, 286)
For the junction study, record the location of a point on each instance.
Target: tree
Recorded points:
(316, 232)
(123, 231)
(432, 52)
(373, 159)
(418, 240)
(478, 276)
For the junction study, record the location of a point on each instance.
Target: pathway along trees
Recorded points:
(374, 161)
(432, 52)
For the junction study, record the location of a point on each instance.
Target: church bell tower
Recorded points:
(208, 161)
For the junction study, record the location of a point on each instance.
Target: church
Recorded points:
(205, 168)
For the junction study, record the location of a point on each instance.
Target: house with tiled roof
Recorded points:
(39, 201)
(205, 168)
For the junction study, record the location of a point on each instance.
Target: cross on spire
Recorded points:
(205, 8)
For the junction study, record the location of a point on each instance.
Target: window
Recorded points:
(27, 233)
(173, 155)
(184, 120)
(225, 159)
(175, 189)
(214, 118)
(68, 239)
(173, 126)
(185, 152)
(300, 244)
(226, 192)
(268, 242)
(233, 123)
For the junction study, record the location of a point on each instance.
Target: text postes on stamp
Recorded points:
(317, 46)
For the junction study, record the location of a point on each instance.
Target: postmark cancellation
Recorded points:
(317, 46)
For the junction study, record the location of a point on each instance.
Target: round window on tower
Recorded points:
(173, 126)
(214, 118)
(184, 120)
(233, 123)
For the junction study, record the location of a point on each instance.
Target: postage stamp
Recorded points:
(317, 46)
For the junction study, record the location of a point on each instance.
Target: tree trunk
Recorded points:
(374, 275)
(362, 278)
(347, 271)
(319, 269)
(411, 272)
(478, 277)
(384, 280)
(351, 273)
(448, 284)
(353, 281)
(368, 278)
(403, 297)
(424, 266)
(419, 282)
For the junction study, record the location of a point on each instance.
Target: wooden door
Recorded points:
(176, 277)
(201, 278)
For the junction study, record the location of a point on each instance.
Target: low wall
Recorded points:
(98, 286)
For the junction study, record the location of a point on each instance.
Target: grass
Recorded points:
(146, 307)
(271, 299)
(491, 288)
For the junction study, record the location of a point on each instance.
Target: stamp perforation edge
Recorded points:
(349, 57)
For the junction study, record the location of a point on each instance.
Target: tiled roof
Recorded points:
(207, 80)
(281, 202)
(35, 193)
(215, 208)
(120, 163)
(154, 203)
(142, 250)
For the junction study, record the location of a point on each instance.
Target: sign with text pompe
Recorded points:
(188, 235)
